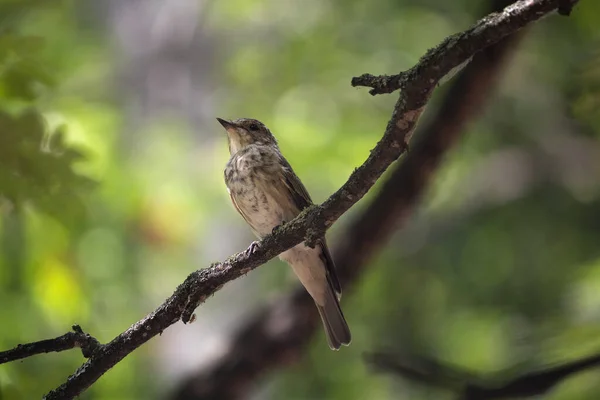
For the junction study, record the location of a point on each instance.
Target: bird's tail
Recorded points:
(333, 319)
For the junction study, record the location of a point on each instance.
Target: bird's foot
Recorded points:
(252, 248)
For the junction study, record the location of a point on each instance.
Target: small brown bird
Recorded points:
(267, 193)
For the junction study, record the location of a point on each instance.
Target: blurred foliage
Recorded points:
(105, 208)
(35, 163)
(36, 168)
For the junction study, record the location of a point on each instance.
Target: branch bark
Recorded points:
(70, 340)
(416, 87)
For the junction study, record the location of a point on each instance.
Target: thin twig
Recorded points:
(70, 340)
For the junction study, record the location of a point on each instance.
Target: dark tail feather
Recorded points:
(334, 322)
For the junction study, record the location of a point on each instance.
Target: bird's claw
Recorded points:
(252, 248)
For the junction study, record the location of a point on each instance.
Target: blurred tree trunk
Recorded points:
(166, 57)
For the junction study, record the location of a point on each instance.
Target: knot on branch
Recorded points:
(381, 84)
(315, 226)
(195, 295)
(566, 6)
(86, 342)
(194, 300)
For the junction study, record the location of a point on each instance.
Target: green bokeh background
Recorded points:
(111, 188)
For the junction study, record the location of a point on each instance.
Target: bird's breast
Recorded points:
(256, 190)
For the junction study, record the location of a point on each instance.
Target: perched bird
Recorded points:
(267, 193)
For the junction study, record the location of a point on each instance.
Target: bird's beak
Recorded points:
(228, 125)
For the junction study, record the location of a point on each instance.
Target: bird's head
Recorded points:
(244, 132)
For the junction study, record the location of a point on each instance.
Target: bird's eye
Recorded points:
(253, 127)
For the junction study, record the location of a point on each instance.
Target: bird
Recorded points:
(267, 193)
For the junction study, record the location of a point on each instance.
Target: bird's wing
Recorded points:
(302, 199)
(296, 189)
(328, 261)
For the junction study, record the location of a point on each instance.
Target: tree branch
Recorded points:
(469, 386)
(459, 47)
(258, 347)
(417, 85)
(88, 344)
